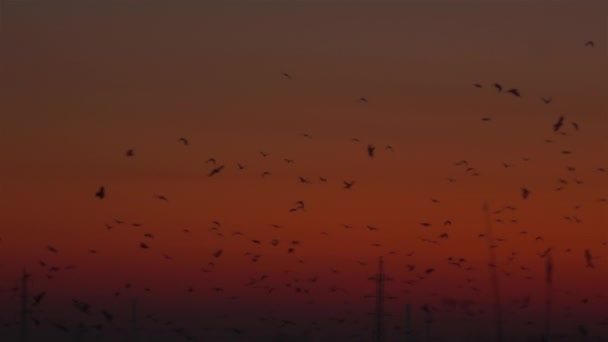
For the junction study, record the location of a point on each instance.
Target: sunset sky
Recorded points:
(82, 82)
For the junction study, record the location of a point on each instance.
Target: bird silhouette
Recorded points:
(215, 171)
(590, 43)
(348, 185)
(101, 193)
(161, 197)
(514, 92)
(525, 193)
(575, 125)
(370, 150)
(184, 141)
(557, 125)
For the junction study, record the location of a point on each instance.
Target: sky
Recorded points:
(82, 82)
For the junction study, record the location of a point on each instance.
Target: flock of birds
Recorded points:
(98, 318)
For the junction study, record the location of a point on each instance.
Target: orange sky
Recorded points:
(82, 82)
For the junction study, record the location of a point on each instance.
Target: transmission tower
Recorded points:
(408, 323)
(134, 320)
(379, 278)
(24, 307)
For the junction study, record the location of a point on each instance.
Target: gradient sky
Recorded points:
(83, 81)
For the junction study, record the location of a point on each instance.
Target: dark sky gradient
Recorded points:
(83, 81)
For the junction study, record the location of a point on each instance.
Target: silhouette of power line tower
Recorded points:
(408, 323)
(133, 320)
(379, 278)
(25, 312)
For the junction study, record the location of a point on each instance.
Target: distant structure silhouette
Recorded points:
(495, 285)
(133, 334)
(379, 278)
(408, 323)
(23, 336)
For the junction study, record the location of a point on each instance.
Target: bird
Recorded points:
(303, 180)
(498, 87)
(101, 193)
(589, 259)
(287, 76)
(486, 119)
(477, 85)
(210, 160)
(348, 185)
(38, 298)
(525, 193)
(184, 141)
(558, 124)
(514, 91)
(590, 43)
(216, 170)
(546, 100)
(390, 148)
(130, 153)
(575, 125)
(162, 198)
(370, 150)
(363, 100)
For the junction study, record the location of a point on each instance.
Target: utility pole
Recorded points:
(549, 294)
(494, 274)
(408, 323)
(379, 278)
(134, 320)
(23, 336)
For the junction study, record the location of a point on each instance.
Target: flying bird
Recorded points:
(184, 141)
(130, 153)
(590, 43)
(546, 100)
(498, 87)
(101, 193)
(286, 75)
(525, 193)
(514, 91)
(216, 170)
(162, 198)
(348, 185)
(370, 150)
(557, 125)
(589, 259)
(575, 125)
